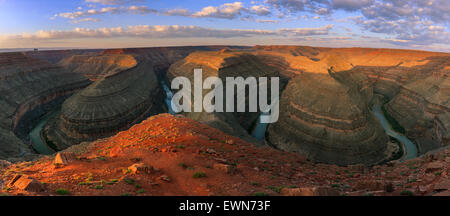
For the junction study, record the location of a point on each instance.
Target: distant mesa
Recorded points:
(97, 66)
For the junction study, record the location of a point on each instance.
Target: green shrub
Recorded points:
(259, 194)
(62, 191)
(254, 183)
(276, 189)
(199, 175)
(129, 180)
(407, 193)
(126, 194)
(141, 191)
(183, 165)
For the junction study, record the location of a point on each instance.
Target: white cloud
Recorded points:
(415, 22)
(105, 10)
(260, 10)
(171, 31)
(307, 31)
(76, 21)
(227, 11)
(178, 12)
(350, 5)
(224, 11)
(267, 21)
(112, 2)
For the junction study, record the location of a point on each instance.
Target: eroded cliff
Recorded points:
(114, 102)
(29, 88)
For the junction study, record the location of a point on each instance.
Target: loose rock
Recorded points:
(315, 191)
(140, 168)
(224, 168)
(24, 182)
(64, 158)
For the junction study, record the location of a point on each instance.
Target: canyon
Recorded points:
(326, 97)
(29, 88)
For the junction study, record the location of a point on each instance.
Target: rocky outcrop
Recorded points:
(28, 89)
(422, 107)
(225, 64)
(415, 83)
(328, 122)
(26, 183)
(113, 103)
(97, 66)
(163, 57)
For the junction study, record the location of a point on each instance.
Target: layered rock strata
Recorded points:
(422, 107)
(96, 66)
(328, 122)
(113, 103)
(163, 57)
(415, 83)
(28, 89)
(222, 64)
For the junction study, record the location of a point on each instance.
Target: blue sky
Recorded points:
(415, 24)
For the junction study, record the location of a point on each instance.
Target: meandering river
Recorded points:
(35, 136)
(169, 96)
(409, 147)
(260, 130)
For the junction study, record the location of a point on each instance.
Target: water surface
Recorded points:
(409, 147)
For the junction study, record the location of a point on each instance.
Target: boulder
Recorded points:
(224, 168)
(165, 178)
(310, 191)
(4, 164)
(27, 183)
(443, 193)
(374, 185)
(64, 158)
(140, 168)
(434, 167)
(443, 184)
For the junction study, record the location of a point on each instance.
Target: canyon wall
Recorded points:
(114, 102)
(222, 64)
(422, 106)
(97, 66)
(327, 121)
(415, 83)
(28, 89)
(326, 95)
(126, 91)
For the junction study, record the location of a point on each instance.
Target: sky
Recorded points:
(413, 24)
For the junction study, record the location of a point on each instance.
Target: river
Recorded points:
(260, 130)
(409, 147)
(35, 136)
(169, 96)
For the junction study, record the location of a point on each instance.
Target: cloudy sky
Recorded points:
(409, 24)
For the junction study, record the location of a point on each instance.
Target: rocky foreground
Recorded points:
(168, 155)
